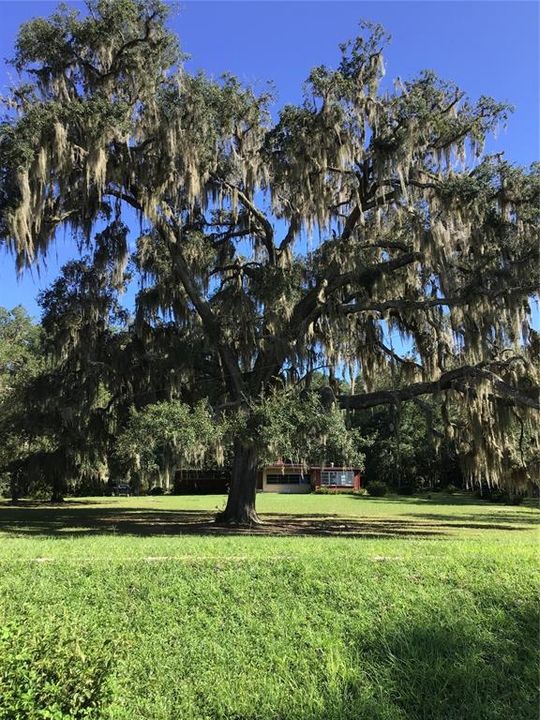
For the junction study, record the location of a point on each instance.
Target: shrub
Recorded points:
(49, 675)
(323, 490)
(89, 487)
(157, 490)
(407, 489)
(361, 492)
(377, 488)
(504, 497)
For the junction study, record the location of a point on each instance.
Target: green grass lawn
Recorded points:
(337, 608)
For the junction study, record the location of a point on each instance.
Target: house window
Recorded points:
(288, 479)
(340, 478)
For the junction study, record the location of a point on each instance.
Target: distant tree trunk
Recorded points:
(57, 495)
(240, 509)
(14, 488)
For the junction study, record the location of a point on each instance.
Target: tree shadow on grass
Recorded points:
(428, 499)
(495, 520)
(450, 667)
(435, 498)
(440, 667)
(77, 518)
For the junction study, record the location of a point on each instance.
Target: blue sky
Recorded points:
(488, 48)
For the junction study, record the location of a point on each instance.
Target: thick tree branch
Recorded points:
(450, 380)
(220, 238)
(469, 295)
(403, 361)
(385, 245)
(238, 268)
(209, 320)
(350, 223)
(309, 308)
(125, 197)
(260, 217)
(314, 301)
(371, 273)
(398, 304)
(294, 226)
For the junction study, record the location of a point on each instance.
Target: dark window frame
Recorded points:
(331, 483)
(285, 479)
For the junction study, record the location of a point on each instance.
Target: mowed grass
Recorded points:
(338, 608)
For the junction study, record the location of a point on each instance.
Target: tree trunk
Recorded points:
(58, 488)
(240, 509)
(57, 496)
(14, 488)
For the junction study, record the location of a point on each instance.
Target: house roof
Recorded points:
(292, 466)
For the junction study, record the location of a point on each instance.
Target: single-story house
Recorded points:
(288, 478)
(280, 477)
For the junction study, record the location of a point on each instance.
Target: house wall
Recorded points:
(285, 487)
(356, 480)
(218, 481)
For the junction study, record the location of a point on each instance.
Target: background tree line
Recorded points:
(73, 422)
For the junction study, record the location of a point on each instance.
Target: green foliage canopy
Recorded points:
(421, 233)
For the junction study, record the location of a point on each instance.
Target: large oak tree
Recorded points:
(357, 215)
